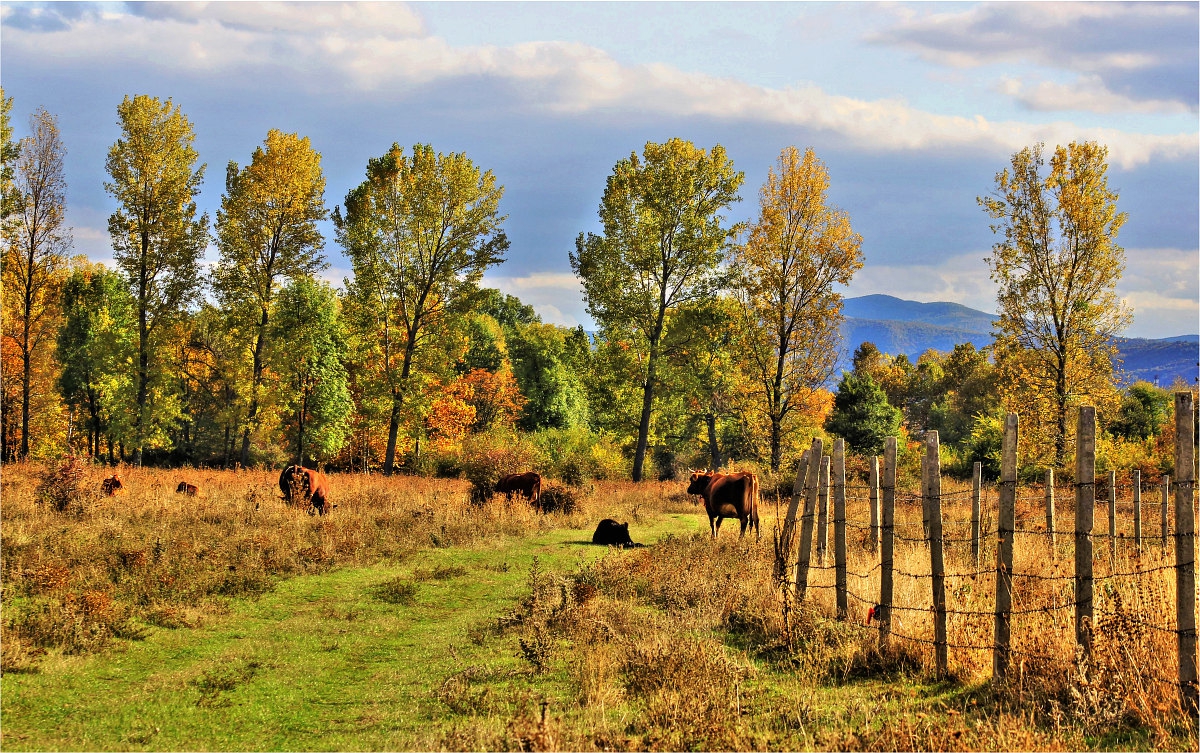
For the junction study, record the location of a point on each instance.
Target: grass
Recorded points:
(411, 619)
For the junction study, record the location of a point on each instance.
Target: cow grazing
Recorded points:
(111, 485)
(727, 495)
(304, 485)
(611, 533)
(186, 488)
(527, 485)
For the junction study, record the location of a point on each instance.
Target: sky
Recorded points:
(913, 107)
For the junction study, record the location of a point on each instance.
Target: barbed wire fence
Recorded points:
(1046, 585)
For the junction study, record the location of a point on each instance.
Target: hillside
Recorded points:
(898, 326)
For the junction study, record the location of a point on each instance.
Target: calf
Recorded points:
(728, 495)
(186, 488)
(111, 485)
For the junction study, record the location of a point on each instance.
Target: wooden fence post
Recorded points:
(873, 498)
(1050, 532)
(807, 521)
(1166, 495)
(932, 494)
(1085, 513)
(823, 513)
(787, 537)
(1112, 514)
(1137, 511)
(839, 525)
(976, 489)
(1185, 549)
(888, 543)
(924, 507)
(1006, 525)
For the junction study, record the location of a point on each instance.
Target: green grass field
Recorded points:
(526, 639)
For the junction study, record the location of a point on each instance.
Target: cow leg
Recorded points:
(743, 521)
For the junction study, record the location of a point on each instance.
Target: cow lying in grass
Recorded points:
(186, 488)
(611, 533)
(111, 485)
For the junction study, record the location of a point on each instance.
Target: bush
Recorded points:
(62, 487)
(559, 498)
(576, 456)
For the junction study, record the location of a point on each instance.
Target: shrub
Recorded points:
(576, 456)
(559, 498)
(62, 487)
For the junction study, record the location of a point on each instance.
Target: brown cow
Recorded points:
(728, 495)
(300, 484)
(111, 485)
(527, 485)
(186, 488)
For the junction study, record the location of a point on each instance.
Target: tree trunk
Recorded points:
(1060, 397)
(713, 449)
(776, 441)
(639, 458)
(27, 363)
(410, 346)
(258, 370)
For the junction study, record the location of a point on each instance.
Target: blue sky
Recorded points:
(913, 107)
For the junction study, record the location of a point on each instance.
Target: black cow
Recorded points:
(611, 533)
(186, 488)
(728, 495)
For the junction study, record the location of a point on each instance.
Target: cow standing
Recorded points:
(300, 484)
(728, 495)
(527, 485)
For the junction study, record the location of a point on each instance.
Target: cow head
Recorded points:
(698, 482)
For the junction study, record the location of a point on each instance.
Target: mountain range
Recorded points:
(898, 326)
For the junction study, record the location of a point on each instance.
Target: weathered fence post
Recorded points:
(976, 489)
(932, 498)
(1085, 513)
(1185, 549)
(1112, 514)
(823, 513)
(888, 544)
(807, 520)
(1050, 532)
(873, 498)
(1166, 495)
(924, 507)
(1006, 525)
(839, 526)
(1137, 511)
(787, 537)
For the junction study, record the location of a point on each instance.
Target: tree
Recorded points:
(798, 250)
(420, 231)
(862, 415)
(267, 233)
(1057, 267)
(662, 246)
(157, 239)
(36, 244)
(555, 397)
(94, 345)
(9, 151)
(1143, 411)
(308, 348)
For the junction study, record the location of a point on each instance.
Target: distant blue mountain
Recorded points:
(898, 326)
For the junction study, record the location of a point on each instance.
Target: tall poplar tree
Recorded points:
(798, 250)
(662, 247)
(36, 245)
(267, 233)
(157, 239)
(1057, 266)
(420, 231)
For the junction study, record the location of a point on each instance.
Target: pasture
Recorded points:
(410, 618)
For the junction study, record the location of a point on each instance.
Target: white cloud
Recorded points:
(1087, 94)
(557, 297)
(569, 79)
(367, 19)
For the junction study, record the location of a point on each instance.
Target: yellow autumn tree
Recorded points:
(797, 251)
(1057, 266)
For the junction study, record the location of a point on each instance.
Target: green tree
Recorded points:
(420, 232)
(554, 393)
(267, 233)
(799, 249)
(506, 309)
(308, 348)
(662, 247)
(862, 415)
(157, 239)
(1143, 410)
(94, 346)
(36, 245)
(9, 151)
(1057, 266)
